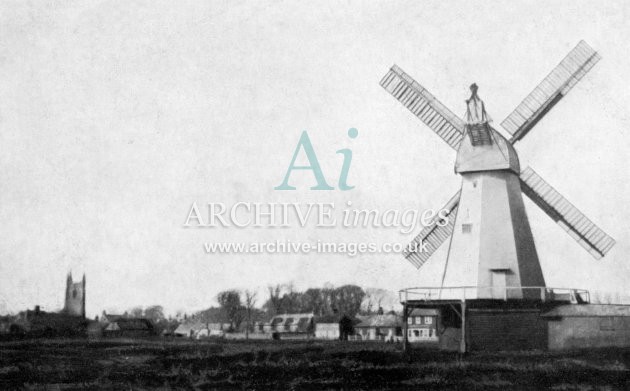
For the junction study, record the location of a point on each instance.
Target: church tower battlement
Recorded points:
(75, 297)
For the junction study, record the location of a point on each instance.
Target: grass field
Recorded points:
(205, 365)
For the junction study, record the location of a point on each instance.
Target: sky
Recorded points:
(116, 116)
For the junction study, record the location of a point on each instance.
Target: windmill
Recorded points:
(491, 248)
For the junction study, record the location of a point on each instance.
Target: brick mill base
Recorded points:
(492, 325)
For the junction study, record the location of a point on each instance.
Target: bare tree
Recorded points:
(136, 312)
(250, 302)
(274, 302)
(230, 302)
(155, 313)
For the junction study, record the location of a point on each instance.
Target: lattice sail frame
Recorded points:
(424, 106)
(548, 93)
(433, 235)
(526, 115)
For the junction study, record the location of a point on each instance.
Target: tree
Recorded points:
(155, 313)
(273, 303)
(313, 301)
(376, 298)
(230, 302)
(347, 299)
(291, 301)
(250, 302)
(136, 312)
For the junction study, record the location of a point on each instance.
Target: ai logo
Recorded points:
(305, 143)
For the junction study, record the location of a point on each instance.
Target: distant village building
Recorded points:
(197, 329)
(288, 325)
(327, 327)
(380, 328)
(129, 328)
(38, 323)
(422, 325)
(108, 318)
(334, 327)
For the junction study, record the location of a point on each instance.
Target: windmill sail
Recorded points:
(578, 226)
(424, 106)
(432, 236)
(556, 85)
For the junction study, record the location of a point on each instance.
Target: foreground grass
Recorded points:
(195, 365)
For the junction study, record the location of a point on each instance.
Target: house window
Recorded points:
(418, 320)
(428, 320)
(288, 323)
(410, 320)
(466, 228)
(416, 333)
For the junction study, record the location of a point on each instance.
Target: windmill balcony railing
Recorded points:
(462, 293)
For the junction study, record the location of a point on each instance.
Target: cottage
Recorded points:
(327, 327)
(334, 327)
(109, 318)
(380, 328)
(327, 331)
(422, 325)
(198, 329)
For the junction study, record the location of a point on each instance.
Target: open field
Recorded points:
(209, 365)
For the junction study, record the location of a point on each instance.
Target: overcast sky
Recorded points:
(116, 116)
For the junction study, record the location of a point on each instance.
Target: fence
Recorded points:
(462, 293)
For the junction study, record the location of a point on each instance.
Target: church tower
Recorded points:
(75, 297)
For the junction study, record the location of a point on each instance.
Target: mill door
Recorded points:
(499, 287)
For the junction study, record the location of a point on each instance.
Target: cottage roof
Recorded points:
(131, 324)
(588, 310)
(113, 317)
(424, 312)
(287, 319)
(186, 327)
(302, 315)
(333, 318)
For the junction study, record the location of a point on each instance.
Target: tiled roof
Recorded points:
(424, 312)
(133, 324)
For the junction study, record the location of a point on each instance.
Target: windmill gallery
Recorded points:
(493, 294)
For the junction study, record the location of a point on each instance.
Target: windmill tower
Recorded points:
(492, 247)
(492, 254)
